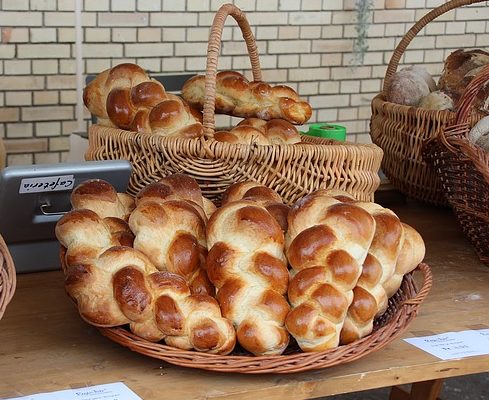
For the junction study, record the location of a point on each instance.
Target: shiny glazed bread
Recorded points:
(258, 131)
(169, 227)
(237, 96)
(370, 298)
(101, 197)
(326, 244)
(115, 285)
(126, 97)
(247, 265)
(260, 194)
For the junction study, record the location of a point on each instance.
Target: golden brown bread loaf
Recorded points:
(126, 97)
(169, 227)
(412, 253)
(121, 287)
(260, 194)
(101, 197)
(247, 265)
(326, 245)
(237, 96)
(258, 131)
(460, 68)
(369, 296)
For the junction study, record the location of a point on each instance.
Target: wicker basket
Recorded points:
(403, 307)
(7, 277)
(291, 170)
(463, 170)
(402, 130)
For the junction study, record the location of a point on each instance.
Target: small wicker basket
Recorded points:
(403, 307)
(7, 277)
(463, 170)
(291, 170)
(402, 130)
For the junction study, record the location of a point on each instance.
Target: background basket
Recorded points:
(291, 170)
(403, 307)
(463, 170)
(402, 130)
(7, 277)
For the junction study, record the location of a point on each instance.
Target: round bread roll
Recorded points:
(437, 100)
(408, 86)
(479, 134)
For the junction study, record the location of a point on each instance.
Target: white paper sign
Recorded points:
(110, 391)
(452, 345)
(47, 184)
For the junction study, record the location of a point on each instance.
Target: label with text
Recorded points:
(452, 345)
(110, 391)
(47, 184)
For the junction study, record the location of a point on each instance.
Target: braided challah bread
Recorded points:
(412, 253)
(177, 187)
(254, 130)
(85, 235)
(237, 96)
(101, 197)
(121, 286)
(260, 194)
(126, 97)
(169, 227)
(326, 245)
(247, 265)
(369, 296)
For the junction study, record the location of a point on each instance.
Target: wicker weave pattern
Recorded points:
(7, 277)
(402, 130)
(291, 170)
(403, 307)
(463, 170)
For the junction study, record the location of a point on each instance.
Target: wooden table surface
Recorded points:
(45, 346)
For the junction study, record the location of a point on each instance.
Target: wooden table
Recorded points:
(45, 346)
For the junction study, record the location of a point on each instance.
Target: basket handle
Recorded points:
(213, 48)
(411, 34)
(469, 95)
(427, 284)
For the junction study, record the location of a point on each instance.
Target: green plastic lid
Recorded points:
(327, 131)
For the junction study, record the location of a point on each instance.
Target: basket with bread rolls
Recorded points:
(412, 109)
(460, 158)
(251, 286)
(161, 133)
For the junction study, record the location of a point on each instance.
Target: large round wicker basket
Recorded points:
(463, 170)
(7, 277)
(402, 130)
(403, 307)
(291, 170)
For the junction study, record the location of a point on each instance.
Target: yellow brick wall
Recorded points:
(306, 44)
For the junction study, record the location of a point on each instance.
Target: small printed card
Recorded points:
(453, 345)
(110, 391)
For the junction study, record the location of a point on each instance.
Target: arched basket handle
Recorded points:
(466, 102)
(411, 34)
(213, 49)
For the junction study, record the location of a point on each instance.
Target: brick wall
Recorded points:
(306, 44)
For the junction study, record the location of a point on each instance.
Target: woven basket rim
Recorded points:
(405, 309)
(381, 99)
(164, 140)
